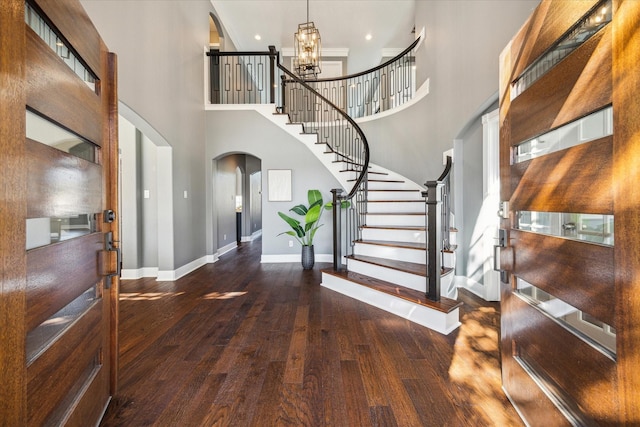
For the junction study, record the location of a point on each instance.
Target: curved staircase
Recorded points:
(386, 235)
(387, 266)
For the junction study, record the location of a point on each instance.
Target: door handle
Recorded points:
(109, 246)
(497, 250)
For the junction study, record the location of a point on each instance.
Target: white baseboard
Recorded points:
(133, 274)
(223, 250)
(266, 259)
(474, 287)
(168, 275)
(251, 238)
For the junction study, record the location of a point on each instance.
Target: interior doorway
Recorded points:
(237, 199)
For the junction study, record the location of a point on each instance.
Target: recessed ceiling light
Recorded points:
(257, 37)
(368, 37)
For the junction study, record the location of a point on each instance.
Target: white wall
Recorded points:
(131, 232)
(249, 132)
(160, 52)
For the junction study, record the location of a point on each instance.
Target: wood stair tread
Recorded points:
(404, 266)
(445, 305)
(405, 245)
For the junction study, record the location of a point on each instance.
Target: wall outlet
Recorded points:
(224, 237)
(290, 243)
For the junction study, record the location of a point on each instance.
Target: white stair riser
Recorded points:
(405, 220)
(448, 259)
(390, 252)
(391, 207)
(401, 278)
(453, 237)
(394, 235)
(395, 195)
(443, 323)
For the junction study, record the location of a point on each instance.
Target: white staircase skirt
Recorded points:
(443, 323)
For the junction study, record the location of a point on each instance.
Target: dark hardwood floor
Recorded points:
(239, 343)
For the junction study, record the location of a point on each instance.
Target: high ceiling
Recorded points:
(342, 24)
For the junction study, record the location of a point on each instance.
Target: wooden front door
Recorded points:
(58, 321)
(570, 160)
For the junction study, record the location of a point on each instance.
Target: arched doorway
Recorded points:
(237, 197)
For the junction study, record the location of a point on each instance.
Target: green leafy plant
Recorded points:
(305, 231)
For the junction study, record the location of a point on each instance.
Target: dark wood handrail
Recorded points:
(376, 68)
(348, 118)
(447, 169)
(213, 52)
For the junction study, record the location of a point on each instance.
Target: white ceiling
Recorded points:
(342, 24)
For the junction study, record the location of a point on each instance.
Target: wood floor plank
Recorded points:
(240, 343)
(391, 361)
(294, 369)
(356, 400)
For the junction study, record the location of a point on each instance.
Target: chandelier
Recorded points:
(306, 45)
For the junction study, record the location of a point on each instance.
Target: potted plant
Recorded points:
(304, 232)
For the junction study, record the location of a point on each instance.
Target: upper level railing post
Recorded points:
(283, 88)
(214, 77)
(434, 238)
(272, 74)
(337, 229)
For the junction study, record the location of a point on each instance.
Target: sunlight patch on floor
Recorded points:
(223, 295)
(147, 296)
(475, 366)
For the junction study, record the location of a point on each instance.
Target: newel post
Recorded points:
(337, 229)
(434, 237)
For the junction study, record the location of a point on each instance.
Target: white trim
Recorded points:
(142, 125)
(475, 288)
(470, 284)
(133, 274)
(267, 259)
(168, 275)
(223, 250)
(171, 275)
(251, 238)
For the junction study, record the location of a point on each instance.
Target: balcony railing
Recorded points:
(244, 77)
(370, 92)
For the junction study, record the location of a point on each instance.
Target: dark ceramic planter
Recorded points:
(308, 257)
